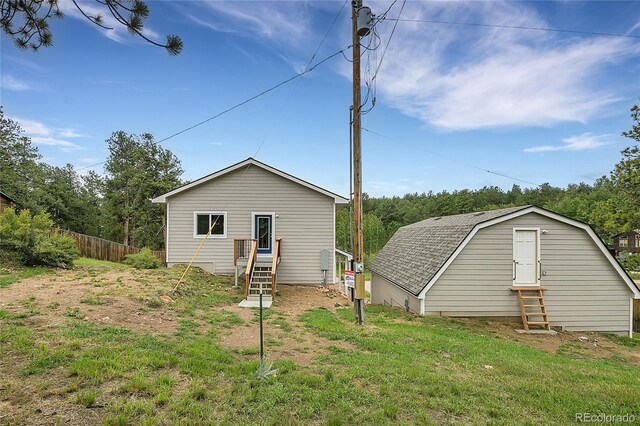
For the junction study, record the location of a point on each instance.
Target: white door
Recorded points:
(525, 257)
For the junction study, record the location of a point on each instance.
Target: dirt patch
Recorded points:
(285, 335)
(575, 344)
(105, 299)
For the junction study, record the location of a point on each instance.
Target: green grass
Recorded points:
(92, 301)
(396, 369)
(635, 275)
(85, 262)
(9, 276)
(87, 398)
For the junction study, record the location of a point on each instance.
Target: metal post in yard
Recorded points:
(261, 329)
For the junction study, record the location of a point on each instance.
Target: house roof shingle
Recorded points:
(416, 252)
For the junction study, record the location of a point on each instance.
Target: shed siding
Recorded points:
(304, 222)
(584, 292)
(384, 292)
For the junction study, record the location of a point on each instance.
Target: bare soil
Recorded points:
(121, 296)
(295, 343)
(579, 344)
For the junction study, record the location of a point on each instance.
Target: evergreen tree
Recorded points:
(138, 169)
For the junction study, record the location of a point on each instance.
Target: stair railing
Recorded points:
(274, 266)
(253, 256)
(241, 249)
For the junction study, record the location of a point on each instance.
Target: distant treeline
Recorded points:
(611, 205)
(116, 206)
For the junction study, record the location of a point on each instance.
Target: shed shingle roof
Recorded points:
(416, 252)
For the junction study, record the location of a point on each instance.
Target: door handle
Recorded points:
(539, 270)
(514, 269)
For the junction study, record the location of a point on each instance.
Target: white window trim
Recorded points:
(273, 230)
(538, 274)
(195, 224)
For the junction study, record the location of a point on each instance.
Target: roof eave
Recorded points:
(251, 161)
(635, 289)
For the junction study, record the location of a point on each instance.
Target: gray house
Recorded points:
(253, 214)
(470, 264)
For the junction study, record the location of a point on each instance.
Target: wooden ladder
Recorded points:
(532, 305)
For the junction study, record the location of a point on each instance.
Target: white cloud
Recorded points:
(463, 78)
(69, 133)
(8, 82)
(32, 127)
(582, 142)
(41, 134)
(62, 144)
(283, 22)
(25, 63)
(88, 160)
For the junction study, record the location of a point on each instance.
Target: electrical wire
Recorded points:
(395, 25)
(457, 161)
(286, 102)
(238, 105)
(514, 27)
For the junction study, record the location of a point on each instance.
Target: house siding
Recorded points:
(304, 222)
(384, 292)
(584, 291)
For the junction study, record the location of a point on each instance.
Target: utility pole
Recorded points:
(361, 17)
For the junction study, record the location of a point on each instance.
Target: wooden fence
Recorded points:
(101, 249)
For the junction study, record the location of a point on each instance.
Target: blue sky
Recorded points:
(451, 99)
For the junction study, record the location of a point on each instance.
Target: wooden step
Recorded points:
(534, 310)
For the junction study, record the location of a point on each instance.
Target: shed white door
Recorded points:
(525, 256)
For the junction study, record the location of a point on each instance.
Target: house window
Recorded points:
(216, 221)
(623, 242)
(638, 241)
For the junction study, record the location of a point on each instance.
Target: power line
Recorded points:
(459, 162)
(246, 101)
(371, 84)
(514, 27)
(286, 102)
(389, 40)
(264, 92)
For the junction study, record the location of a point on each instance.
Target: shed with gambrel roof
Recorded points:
(467, 265)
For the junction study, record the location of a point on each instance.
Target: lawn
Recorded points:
(97, 346)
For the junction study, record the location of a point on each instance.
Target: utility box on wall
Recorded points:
(324, 260)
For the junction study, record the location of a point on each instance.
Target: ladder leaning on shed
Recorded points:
(532, 308)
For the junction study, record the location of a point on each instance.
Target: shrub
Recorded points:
(630, 262)
(28, 237)
(143, 260)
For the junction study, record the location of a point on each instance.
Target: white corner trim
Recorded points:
(422, 307)
(534, 209)
(195, 224)
(251, 162)
(333, 252)
(537, 230)
(166, 244)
